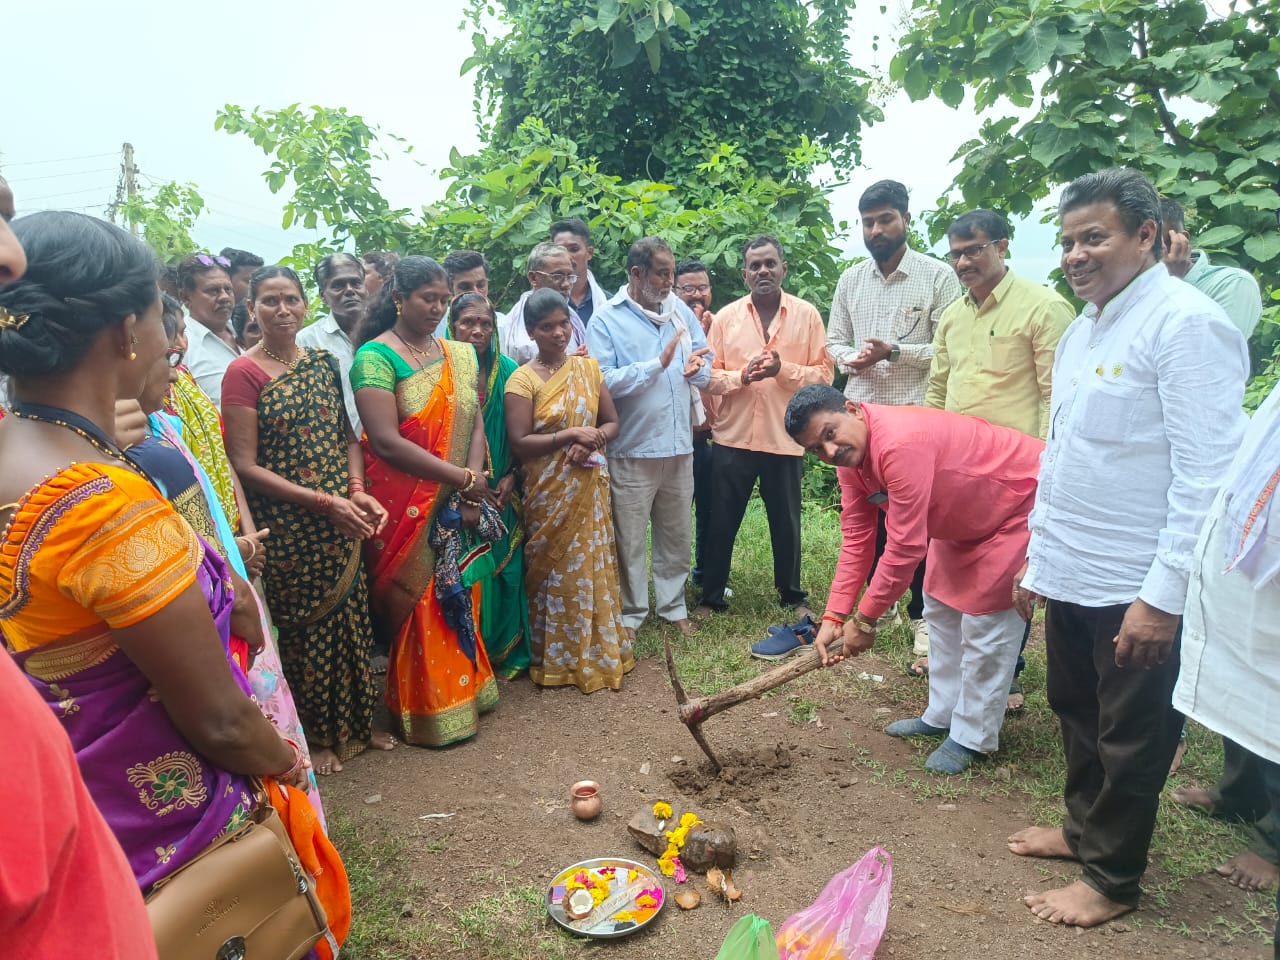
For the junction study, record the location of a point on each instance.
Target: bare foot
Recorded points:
(630, 632)
(1196, 797)
(702, 612)
(1016, 702)
(1177, 757)
(1077, 904)
(684, 626)
(382, 740)
(1041, 842)
(920, 668)
(324, 761)
(1248, 871)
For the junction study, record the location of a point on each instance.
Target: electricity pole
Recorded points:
(126, 185)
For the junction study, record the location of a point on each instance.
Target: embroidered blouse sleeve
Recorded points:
(372, 369)
(139, 555)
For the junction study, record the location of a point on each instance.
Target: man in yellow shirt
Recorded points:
(993, 349)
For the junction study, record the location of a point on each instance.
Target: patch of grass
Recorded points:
(801, 709)
(393, 918)
(376, 866)
(509, 923)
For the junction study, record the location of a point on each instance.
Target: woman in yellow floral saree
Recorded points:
(425, 454)
(559, 417)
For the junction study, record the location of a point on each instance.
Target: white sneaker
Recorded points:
(920, 645)
(728, 594)
(893, 619)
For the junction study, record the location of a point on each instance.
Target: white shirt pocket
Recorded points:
(1109, 412)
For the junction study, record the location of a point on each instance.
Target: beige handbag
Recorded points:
(245, 897)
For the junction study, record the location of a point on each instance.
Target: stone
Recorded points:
(709, 845)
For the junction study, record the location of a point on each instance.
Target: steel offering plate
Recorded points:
(634, 897)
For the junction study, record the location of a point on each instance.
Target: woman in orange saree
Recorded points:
(424, 442)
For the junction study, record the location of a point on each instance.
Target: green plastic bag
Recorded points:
(751, 938)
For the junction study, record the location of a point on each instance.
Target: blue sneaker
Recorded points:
(780, 645)
(806, 629)
(950, 758)
(914, 727)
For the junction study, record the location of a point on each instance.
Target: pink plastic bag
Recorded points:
(848, 919)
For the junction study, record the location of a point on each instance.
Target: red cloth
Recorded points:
(959, 488)
(243, 382)
(66, 889)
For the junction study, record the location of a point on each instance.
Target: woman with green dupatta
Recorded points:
(418, 397)
(504, 608)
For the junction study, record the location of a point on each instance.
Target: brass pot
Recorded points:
(585, 800)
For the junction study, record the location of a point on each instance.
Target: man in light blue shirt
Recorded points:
(655, 357)
(1234, 290)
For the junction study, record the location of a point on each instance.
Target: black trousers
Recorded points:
(733, 476)
(1242, 795)
(915, 606)
(702, 487)
(1269, 774)
(1119, 733)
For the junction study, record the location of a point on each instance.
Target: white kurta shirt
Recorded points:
(1230, 675)
(208, 357)
(325, 334)
(1144, 419)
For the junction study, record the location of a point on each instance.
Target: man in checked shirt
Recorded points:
(883, 318)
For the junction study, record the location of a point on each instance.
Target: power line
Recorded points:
(55, 176)
(89, 156)
(69, 193)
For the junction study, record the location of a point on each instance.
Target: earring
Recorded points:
(397, 309)
(133, 354)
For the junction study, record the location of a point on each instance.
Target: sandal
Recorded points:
(920, 668)
(1015, 690)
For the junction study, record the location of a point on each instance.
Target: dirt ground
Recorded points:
(806, 802)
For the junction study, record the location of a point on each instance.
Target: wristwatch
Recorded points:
(894, 353)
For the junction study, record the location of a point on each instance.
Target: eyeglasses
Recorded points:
(175, 357)
(691, 288)
(207, 260)
(970, 253)
(558, 277)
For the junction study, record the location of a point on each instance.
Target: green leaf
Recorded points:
(1220, 236)
(645, 31)
(915, 81)
(1111, 46)
(1237, 167)
(1263, 248)
(1037, 45)
(952, 92)
(653, 50)
(1052, 142)
(1260, 199)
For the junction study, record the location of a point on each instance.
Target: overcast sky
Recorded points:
(94, 76)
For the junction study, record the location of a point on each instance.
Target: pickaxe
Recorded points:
(692, 713)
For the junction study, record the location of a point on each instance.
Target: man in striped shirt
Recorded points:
(883, 318)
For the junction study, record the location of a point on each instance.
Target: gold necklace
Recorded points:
(550, 369)
(287, 364)
(418, 353)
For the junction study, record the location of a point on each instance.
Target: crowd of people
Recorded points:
(419, 497)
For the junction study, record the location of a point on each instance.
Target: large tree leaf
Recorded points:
(1037, 45)
(1263, 248)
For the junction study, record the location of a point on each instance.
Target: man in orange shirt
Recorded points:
(767, 345)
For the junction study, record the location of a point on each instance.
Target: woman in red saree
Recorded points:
(424, 442)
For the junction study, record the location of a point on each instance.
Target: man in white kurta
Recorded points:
(1230, 676)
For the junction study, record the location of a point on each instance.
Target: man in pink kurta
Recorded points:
(953, 487)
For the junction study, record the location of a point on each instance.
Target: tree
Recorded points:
(165, 218)
(1189, 96)
(504, 199)
(761, 74)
